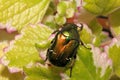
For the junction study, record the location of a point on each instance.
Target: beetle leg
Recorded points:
(47, 55)
(71, 71)
(49, 51)
(80, 26)
(72, 64)
(84, 44)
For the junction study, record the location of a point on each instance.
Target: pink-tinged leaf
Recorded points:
(9, 28)
(114, 54)
(101, 60)
(22, 50)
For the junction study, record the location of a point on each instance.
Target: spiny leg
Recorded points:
(80, 26)
(74, 58)
(71, 71)
(47, 55)
(84, 44)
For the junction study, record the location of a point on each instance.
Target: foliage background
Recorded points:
(26, 26)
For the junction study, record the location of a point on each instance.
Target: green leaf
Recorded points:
(98, 40)
(19, 13)
(40, 73)
(86, 35)
(115, 22)
(101, 6)
(23, 49)
(62, 7)
(60, 19)
(66, 8)
(114, 53)
(95, 27)
(86, 68)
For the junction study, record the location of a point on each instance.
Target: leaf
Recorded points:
(66, 8)
(40, 73)
(6, 75)
(101, 6)
(114, 20)
(62, 7)
(60, 19)
(86, 69)
(2, 46)
(86, 34)
(95, 27)
(114, 53)
(19, 13)
(22, 50)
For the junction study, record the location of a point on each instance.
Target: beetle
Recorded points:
(63, 49)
